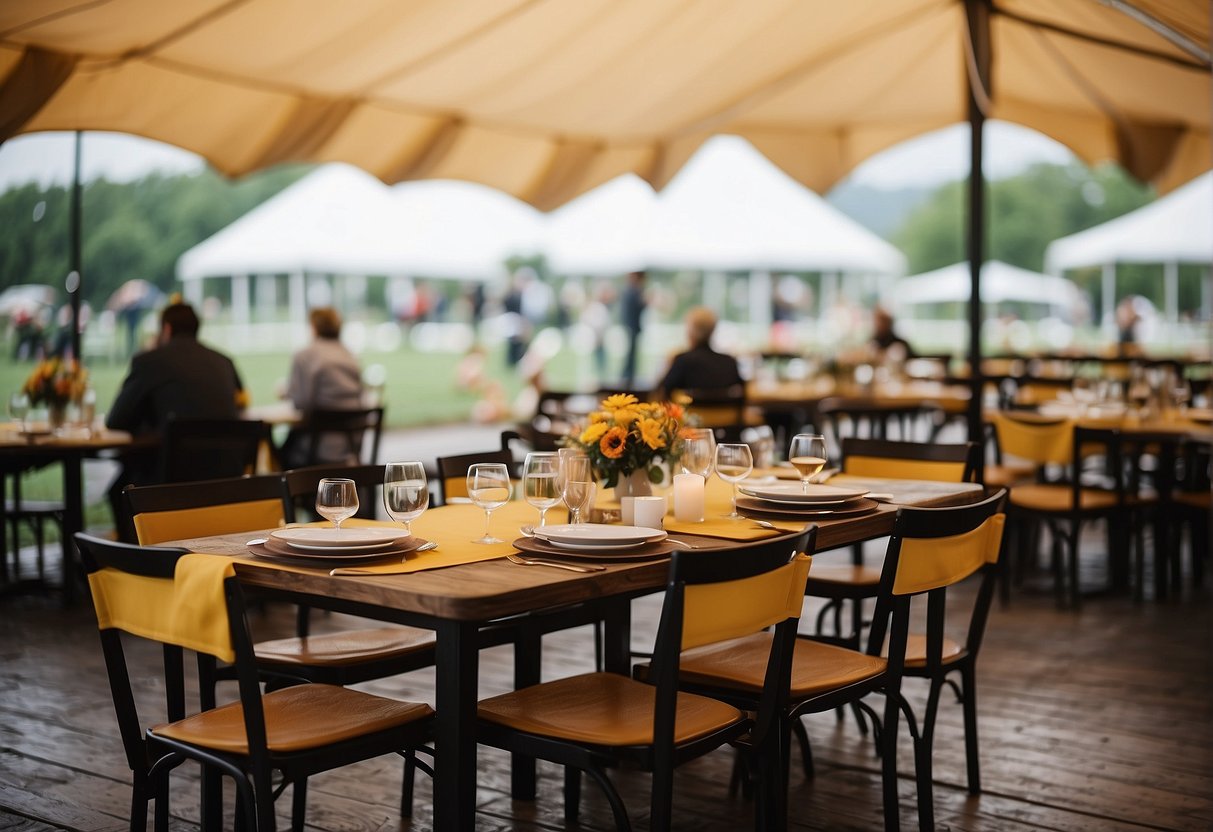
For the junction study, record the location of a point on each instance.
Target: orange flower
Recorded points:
(612, 444)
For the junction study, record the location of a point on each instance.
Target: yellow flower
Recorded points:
(593, 433)
(618, 401)
(625, 416)
(652, 434)
(613, 443)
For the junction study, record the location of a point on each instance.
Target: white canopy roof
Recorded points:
(1177, 228)
(999, 282)
(729, 208)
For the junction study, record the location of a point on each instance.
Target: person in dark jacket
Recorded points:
(631, 313)
(179, 377)
(701, 367)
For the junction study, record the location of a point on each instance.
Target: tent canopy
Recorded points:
(546, 99)
(1000, 283)
(1177, 228)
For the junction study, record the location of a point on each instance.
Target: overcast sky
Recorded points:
(928, 160)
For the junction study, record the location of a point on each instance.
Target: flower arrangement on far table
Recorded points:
(626, 435)
(55, 383)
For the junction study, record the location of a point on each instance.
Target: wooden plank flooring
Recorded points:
(1095, 720)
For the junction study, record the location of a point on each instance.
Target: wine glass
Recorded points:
(734, 462)
(541, 481)
(807, 455)
(698, 451)
(336, 499)
(577, 477)
(18, 407)
(489, 487)
(406, 494)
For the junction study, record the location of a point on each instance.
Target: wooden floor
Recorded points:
(1096, 720)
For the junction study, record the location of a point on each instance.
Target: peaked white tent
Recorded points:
(1177, 228)
(604, 231)
(1000, 283)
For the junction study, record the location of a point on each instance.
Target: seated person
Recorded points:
(700, 367)
(324, 375)
(886, 344)
(179, 377)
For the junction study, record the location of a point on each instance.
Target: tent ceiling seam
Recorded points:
(53, 16)
(1158, 26)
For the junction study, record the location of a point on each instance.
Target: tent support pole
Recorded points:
(977, 14)
(74, 276)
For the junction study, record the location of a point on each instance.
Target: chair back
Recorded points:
(930, 550)
(185, 602)
(873, 418)
(193, 509)
(911, 460)
(717, 406)
(208, 449)
(453, 470)
(1034, 438)
(717, 596)
(299, 485)
(328, 436)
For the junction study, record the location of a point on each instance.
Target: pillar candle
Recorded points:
(688, 498)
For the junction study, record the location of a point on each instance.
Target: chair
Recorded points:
(34, 515)
(299, 486)
(596, 720)
(184, 510)
(298, 731)
(718, 406)
(855, 582)
(873, 418)
(452, 470)
(210, 449)
(334, 436)
(930, 550)
(1064, 504)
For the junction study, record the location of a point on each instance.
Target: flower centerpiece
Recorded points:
(55, 383)
(627, 439)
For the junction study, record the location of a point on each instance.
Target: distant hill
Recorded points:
(880, 211)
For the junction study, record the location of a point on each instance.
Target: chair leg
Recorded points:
(968, 702)
(1075, 589)
(892, 809)
(211, 814)
(572, 794)
(298, 804)
(806, 748)
(139, 798)
(620, 813)
(406, 786)
(661, 801)
(923, 751)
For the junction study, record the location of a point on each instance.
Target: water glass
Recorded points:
(807, 454)
(577, 476)
(698, 451)
(336, 499)
(18, 408)
(489, 488)
(406, 493)
(734, 462)
(541, 481)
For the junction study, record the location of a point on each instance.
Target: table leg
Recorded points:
(73, 521)
(527, 662)
(617, 635)
(458, 668)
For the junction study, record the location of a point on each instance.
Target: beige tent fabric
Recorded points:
(546, 99)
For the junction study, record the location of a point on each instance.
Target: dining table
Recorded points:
(34, 445)
(461, 589)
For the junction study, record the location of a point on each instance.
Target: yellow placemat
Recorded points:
(743, 529)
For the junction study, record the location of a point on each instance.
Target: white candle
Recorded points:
(688, 498)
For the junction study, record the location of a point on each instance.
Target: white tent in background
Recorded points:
(462, 230)
(603, 232)
(1000, 284)
(730, 208)
(1177, 228)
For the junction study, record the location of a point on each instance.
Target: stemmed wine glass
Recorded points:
(336, 499)
(807, 454)
(734, 462)
(18, 407)
(489, 487)
(541, 481)
(577, 477)
(698, 451)
(406, 493)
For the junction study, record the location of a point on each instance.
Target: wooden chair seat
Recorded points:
(1059, 498)
(345, 648)
(1008, 474)
(740, 664)
(296, 718)
(842, 573)
(1195, 499)
(916, 651)
(603, 709)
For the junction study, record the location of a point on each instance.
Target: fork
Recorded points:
(683, 543)
(572, 567)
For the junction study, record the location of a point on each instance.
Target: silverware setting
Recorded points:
(684, 543)
(571, 567)
(427, 546)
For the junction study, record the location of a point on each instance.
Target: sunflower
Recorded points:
(593, 433)
(613, 443)
(619, 401)
(653, 433)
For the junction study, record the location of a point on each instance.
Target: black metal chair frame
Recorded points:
(351, 425)
(663, 756)
(151, 757)
(194, 449)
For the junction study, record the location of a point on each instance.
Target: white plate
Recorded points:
(326, 548)
(332, 538)
(597, 547)
(795, 493)
(598, 533)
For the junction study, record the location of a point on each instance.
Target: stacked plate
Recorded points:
(794, 500)
(596, 540)
(335, 547)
